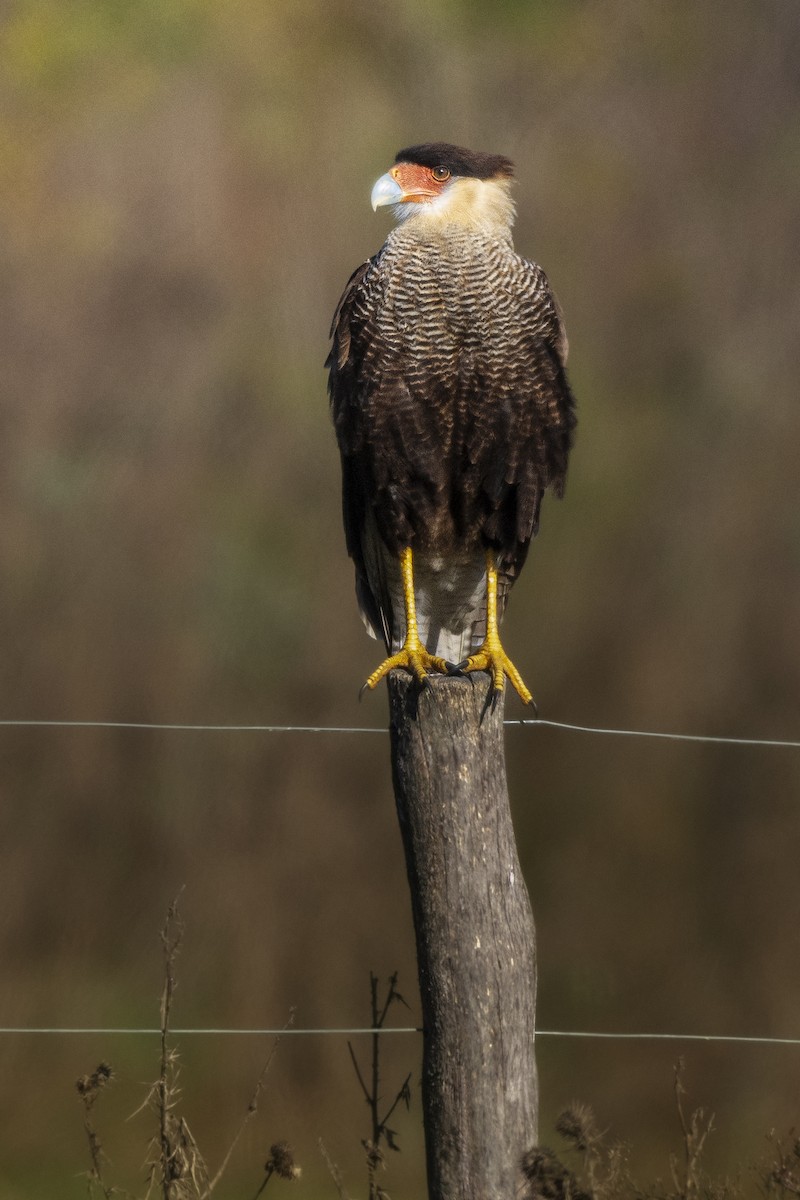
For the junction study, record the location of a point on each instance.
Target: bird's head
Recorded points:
(445, 184)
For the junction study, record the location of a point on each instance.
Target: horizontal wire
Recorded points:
(669, 1037)
(522, 722)
(672, 737)
(542, 1033)
(217, 1032)
(193, 728)
(554, 1033)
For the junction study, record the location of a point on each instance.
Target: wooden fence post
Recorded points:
(476, 950)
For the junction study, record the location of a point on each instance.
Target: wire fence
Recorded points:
(356, 729)
(527, 723)
(587, 1034)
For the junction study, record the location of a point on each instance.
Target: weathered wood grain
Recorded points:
(475, 937)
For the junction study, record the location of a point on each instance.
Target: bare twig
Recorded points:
(359, 1076)
(269, 1171)
(177, 1167)
(695, 1130)
(166, 1091)
(335, 1173)
(380, 1133)
(403, 1095)
(252, 1109)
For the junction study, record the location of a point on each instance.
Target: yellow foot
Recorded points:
(418, 661)
(495, 660)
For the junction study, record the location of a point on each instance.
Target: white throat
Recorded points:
(476, 204)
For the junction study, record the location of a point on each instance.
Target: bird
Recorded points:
(452, 412)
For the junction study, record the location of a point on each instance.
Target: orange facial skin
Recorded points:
(418, 183)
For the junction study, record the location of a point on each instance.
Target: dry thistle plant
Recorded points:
(687, 1172)
(281, 1163)
(600, 1171)
(176, 1168)
(546, 1178)
(381, 1134)
(780, 1178)
(89, 1088)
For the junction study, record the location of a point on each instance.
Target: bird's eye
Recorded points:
(440, 174)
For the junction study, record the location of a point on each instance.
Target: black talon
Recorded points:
(490, 702)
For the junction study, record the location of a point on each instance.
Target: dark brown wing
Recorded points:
(517, 418)
(346, 390)
(539, 430)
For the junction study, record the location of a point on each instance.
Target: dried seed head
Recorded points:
(281, 1161)
(576, 1125)
(546, 1178)
(90, 1085)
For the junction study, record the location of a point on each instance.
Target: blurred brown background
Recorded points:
(184, 191)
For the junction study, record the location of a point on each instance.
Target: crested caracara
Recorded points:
(452, 411)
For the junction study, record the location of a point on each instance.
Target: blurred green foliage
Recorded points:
(183, 193)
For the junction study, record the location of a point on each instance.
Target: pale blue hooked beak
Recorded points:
(386, 191)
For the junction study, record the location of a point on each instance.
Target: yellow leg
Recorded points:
(413, 657)
(491, 656)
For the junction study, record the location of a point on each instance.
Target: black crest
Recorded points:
(458, 160)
